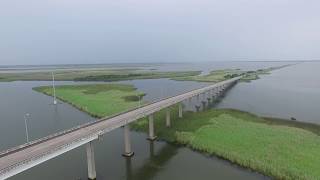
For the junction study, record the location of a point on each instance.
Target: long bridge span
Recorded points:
(26, 156)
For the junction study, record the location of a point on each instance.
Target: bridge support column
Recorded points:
(127, 143)
(151, 128)
(197, 108)
(168, 123)
(203, 105)
(213, 98)
(180, 110)
(91, 162)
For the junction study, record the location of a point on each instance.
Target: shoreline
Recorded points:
(268, 121)
(182, 137)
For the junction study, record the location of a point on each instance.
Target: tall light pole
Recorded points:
(26, 125)
(139, 100)
(54, 90)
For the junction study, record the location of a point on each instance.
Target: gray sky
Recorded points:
(104, 31)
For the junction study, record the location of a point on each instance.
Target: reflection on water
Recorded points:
(153, 164)
(171, 162)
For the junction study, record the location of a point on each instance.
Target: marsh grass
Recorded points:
(94, 75)
(277, 148)
(224, 74)
(98, 100)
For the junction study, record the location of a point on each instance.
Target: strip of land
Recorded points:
(108, 75)
(224, 74)
(94, 75)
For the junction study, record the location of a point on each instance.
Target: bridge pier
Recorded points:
(180, 110)
(190, 102)
(203, 96)
(151, 137)
(203, 104)
(127, 142)
(213, 98)
(168, 123)
(209, 100)
(91, 162)
(218, 91)
(198, 100)
(197, 108)
(212, 92)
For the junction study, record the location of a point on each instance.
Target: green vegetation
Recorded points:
(213, 76)
(98, 100)
(137, 75)
(271, 146)
(279, 148)
(221, 75)
(93, 75)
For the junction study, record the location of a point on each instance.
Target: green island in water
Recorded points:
(98, 100)
(102, 74)
(224, 74)
(282, 149)
(109, 75)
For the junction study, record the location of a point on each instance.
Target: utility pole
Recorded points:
(54, 90)
(26, 125)
(139, 101)
(139, 97)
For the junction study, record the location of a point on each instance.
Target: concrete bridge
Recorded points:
(26, 156)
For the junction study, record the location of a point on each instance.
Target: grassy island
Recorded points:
(281, 149)
(224, 74)
(98, 100)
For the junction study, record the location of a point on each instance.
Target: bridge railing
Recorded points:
(55, 135)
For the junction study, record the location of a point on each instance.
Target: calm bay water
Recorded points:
(293, 91)
(284, 93)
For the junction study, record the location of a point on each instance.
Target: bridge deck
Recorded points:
(24, 158)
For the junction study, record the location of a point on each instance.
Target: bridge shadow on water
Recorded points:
(153, 165)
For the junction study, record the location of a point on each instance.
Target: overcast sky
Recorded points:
(106, 31)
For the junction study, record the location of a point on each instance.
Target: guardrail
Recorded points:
(61, 133)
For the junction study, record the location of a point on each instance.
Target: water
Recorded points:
(284, 93)
(289, 92)
(151, 161)
(205, 67)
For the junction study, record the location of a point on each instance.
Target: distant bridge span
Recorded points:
(26, 156)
